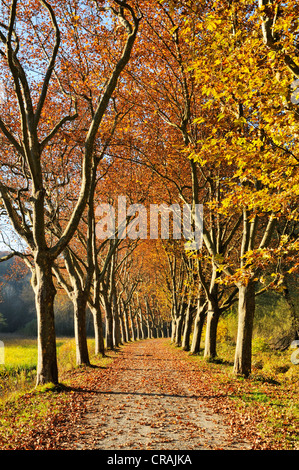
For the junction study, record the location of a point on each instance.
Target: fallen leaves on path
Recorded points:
(150, 397)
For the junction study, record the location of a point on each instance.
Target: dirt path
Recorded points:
(146, 400)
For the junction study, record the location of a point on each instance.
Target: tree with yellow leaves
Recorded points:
(247, 73)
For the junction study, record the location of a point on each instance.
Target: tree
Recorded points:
(253, 136)
(173, 115)
(29, 142)
(235, 128)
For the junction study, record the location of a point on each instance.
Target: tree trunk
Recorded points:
(138, 329)
(98, 331)
(148, 329)
(173, 330)
(179, 327)
(197, 331)
(187, 329)
(126, 324)
(211, 331)
(109, 324)
(79, 304)
(141, 326)
(242, 365)
(44, 289)
(133, 333)
(212, 317)
(123, 332)
(116, 328)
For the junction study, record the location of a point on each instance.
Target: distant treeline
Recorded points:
(17, 306)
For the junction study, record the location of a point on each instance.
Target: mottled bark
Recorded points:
(133, 332)
(98, 330)
(117, 337)
(197, 329)
(179, 329)
(173, 330)
(80, 304)
(109, 324)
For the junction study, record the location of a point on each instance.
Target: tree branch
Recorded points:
(56, 128)
(51, 62)
(91, 136)
(268, 24)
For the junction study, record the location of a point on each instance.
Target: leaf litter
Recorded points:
(150, 396)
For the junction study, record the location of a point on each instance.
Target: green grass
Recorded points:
(27, 411)
(269, 395)
(18, 373)
(19, 369)
(19, 353)
(255, 396)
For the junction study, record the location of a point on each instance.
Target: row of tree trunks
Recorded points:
(32, 147)
(246, 290)
(121, 326)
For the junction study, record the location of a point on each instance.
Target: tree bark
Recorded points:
(173, 330)
(80, 303)
(122, 328)
(126, 323)
(98, 330)
(242, 364)
(116, 327)
(149, 330)
(78, 296)
(141, 325)
(138, 328)
(109, 323)
(187, 329)
(179, 328)
(211, 331)
(197, 331)
(212, 317)
(133, 332)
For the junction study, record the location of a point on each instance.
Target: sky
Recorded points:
(8, 238)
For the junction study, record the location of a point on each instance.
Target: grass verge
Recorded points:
(29, 414)
(266, 404)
